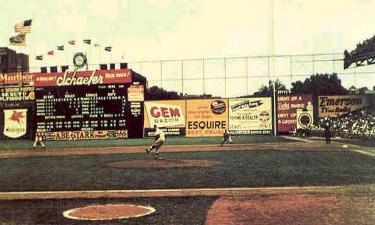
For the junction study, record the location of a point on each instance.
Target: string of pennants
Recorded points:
(73, 42)
(23, 28)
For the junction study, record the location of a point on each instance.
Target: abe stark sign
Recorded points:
(164, 115)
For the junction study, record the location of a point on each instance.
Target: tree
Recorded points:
(267, 90)
(319, 84)
(156, 93)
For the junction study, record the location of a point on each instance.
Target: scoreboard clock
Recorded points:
(79, 60)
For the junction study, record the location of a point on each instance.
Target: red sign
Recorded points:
(16, 78)
(75, 78)
(287, 111)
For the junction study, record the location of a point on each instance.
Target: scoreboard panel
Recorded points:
(82, 108)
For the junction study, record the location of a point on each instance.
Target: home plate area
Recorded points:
(108, 212)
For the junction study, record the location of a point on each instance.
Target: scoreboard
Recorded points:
(82, 110)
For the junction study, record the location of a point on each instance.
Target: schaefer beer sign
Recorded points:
(15, 122)
(85, 78)
(333, 106)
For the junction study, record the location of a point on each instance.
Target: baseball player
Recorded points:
(226, 138)
(327, 130)
(158, 142)
(38, 140)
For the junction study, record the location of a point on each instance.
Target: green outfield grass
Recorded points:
(256, 168)
(27, 144)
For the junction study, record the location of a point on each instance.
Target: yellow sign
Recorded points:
(206, 117)
(333, 106)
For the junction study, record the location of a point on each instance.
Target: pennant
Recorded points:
(108, 49)
(51, 53)
(18, 40)
(87, 41)
(72, 42)
(39, 57)
(60, 47)
(23, 27)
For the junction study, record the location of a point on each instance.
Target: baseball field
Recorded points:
(255, 180)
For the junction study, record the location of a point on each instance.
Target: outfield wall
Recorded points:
(209, 117)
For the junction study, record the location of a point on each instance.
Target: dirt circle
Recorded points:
(108, 212)
(164, 163)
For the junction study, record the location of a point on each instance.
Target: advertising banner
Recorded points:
(87, 78)
(333, 106)
(16, 78)
(12, 94)
(206, 117)
(86, 135)
(250, 115)
(167, 115)
(304, 118)
(287, 111)
(136, 93)
(15, 122)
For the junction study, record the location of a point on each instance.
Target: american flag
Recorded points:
(23, 27)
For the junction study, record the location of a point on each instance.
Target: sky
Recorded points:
(143, 30)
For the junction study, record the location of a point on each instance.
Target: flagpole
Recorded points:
(89, 55)
(33, 44)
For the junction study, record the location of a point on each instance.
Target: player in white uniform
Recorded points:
(38, 140)
(226, 138)
(158, 142)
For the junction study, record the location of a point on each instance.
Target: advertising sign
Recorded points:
(206, 117)
(304, 118)
(16, 78)
(15, 122)
(136, 93)
(85, 78)
(250, 116)
(333, 106)
(86, 135)
(167, 115)
(287, 111)
(12, 94)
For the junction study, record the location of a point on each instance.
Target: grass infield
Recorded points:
(255, 168)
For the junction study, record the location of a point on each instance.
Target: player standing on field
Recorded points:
(38, 140)
(158, 142)
(226, 138)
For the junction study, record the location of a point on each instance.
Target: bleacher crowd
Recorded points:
(360, 124)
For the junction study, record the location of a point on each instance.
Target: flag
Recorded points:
(96, 45)
(108, 48)
(60, 47)
(18, 40)
(51, 53)
(39, 57)
(72, 42)
(23, 27)
(87, 41)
